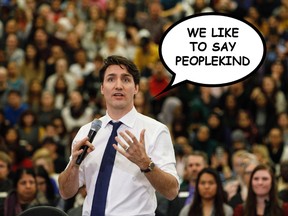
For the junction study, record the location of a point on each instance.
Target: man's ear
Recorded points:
(136, 89)
(101, 88)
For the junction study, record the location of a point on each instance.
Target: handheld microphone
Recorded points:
(96, 125)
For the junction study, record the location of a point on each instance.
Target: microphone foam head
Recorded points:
(96, 124)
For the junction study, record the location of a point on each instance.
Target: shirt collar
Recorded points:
(128, 119)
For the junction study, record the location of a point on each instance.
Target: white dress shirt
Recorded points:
(130, 193)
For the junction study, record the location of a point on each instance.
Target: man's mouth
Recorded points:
(118, 94)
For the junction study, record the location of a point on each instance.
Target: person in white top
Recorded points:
(61, 70)
(145, 160)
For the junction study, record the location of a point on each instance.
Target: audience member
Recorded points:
(32, 66)
(152, 21)
(146, 53)
(42, 42)
(15, 107)
(220, 162)
(76, 113)
(209, 196)
(24, 195)
(47, 109)
(112, 45)
(45, 185)
(42, 157)
(236, 186)
(4, 87)
(5, 181)
(35, 89)
(81, 68)
(157, 83)
(241, 194)
(282, 123)
(91, 85)
(194, 163)
(29, 131)
(15, 80)
(203, 142)
(283, 191)
(61, 71)
(201, 106)
(57, 52)
(276, 148)
(54, 148)
(262, 196)
(13, 52)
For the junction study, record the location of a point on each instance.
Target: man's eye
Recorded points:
(126, 80)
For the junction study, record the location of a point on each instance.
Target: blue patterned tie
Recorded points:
(102, 183)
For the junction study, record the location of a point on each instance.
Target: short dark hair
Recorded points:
(121, 61)
(200, 154)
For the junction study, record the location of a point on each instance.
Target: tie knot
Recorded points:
(115, 125)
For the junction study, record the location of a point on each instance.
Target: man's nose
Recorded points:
(118, 84)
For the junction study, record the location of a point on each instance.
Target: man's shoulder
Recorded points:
(149, 120)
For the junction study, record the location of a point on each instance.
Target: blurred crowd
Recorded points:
(50, 55)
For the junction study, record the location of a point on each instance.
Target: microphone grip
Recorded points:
(81, 157)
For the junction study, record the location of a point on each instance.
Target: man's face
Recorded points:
(118, 88)
(194, 164)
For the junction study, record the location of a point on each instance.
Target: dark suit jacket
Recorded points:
(175, 206)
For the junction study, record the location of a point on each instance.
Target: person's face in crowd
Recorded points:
(31, 51)
(247, 172)
(81, 57)
(207, 186)
(195, 164)
(11, 135)
(261, 183)
(283, 120)
(14, 100)
(11, 42)
(40, 36)
(118, 88)
(61, 66)
(275, 137)
(47, 99)
(243, 120)
(59, 125)
(268, 85)
(213, 121)
(57, 52)
(26, 188)
(238, 165)
(4, 171)
(41, 184)
(203, 134)
(76, 98)
(12, 69)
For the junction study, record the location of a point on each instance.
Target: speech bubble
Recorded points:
(211, 49)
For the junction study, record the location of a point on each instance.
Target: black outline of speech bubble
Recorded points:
(201, 84)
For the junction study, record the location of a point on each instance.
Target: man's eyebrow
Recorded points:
(126, 75)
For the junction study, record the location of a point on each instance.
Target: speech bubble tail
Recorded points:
(173, 82)
(163, 91)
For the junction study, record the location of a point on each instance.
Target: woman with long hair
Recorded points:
(24, 194)
(209, 198)
(262, 199)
